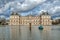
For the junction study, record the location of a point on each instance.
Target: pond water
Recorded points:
(23, 33)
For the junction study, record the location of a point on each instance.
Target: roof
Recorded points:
(14, 13)
(45, 13)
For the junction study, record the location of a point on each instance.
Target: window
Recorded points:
(14, 20)
(10, 20)
(15, 16)
(35, 20)
(35, 23)
(22, 22)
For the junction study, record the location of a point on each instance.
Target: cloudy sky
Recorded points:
(25, 7)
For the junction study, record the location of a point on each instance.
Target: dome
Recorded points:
(15, 13)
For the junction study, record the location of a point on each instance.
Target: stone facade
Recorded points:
(43, 19)
(14, 19)
(46, 20)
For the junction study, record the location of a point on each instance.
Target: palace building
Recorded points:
(43, 19)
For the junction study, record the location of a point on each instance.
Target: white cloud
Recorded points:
(51, 7)
(26, 5)
(43, 11)
(55, 6)
(56, 18)
(2, 16)
(55, 9)
(7, 18)
(46, 5)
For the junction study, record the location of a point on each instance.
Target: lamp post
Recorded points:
(30, 26)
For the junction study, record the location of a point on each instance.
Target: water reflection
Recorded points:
(4, 33)
(23, 33)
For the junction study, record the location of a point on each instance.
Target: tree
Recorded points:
(2, 21)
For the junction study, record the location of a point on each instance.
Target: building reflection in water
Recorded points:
(23, 33)
(19, 33)
(4, 33)
(14, 32)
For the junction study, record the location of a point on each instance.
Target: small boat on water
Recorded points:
(40, 27)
